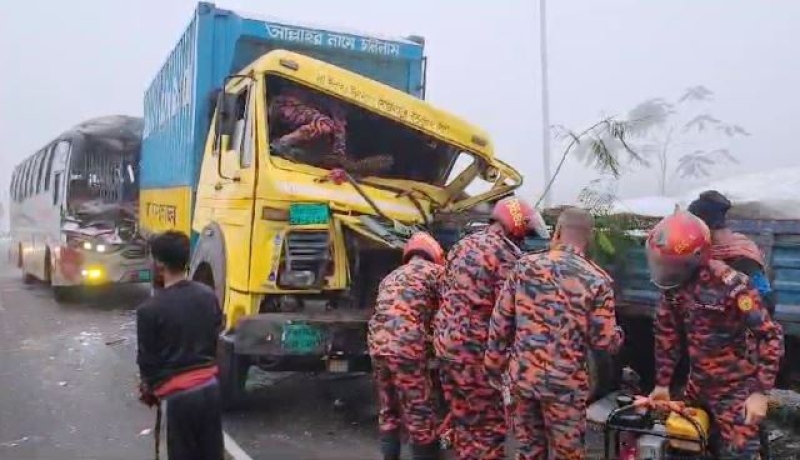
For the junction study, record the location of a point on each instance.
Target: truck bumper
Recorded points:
(297, 342)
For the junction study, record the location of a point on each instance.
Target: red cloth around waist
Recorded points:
(186, 381)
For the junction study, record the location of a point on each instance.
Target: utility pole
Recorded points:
(545, 101)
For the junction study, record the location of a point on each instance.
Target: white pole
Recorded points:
(545, 100)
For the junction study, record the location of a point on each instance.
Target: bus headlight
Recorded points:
(100, 248)
(93, 273)
(87, 245)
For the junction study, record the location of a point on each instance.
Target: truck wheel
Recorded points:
(233, 370)
(603, 374)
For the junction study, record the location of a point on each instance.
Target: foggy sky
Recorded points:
(64, 62)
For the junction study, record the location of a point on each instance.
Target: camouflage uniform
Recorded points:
(305, 117)
(554, 306)
(476, 269)
(715, 311)
(742, 254)
(399, 333)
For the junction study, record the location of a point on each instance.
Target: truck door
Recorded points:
(233, 191)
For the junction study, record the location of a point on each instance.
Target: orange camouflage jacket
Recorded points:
(714, 312)
(555, 305)
(407, 299)
(476, 269)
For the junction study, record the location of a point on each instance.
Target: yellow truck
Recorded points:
(295, 248)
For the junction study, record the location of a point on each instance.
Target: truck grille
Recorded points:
(306, 251)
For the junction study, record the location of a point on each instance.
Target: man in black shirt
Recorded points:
(177, 331)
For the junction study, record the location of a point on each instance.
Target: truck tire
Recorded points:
(208, 263)
(603, 374)
(233, 371)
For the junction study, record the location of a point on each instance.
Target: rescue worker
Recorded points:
(308, 120)
(311, 118)
(554, 307)
(177, 330)
(475, 271)
(735, 249)
(399, 344)
(713, 307)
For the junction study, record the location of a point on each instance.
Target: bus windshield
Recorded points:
(103, 170)
(310, 127)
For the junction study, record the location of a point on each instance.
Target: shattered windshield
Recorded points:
(104, 164)
(102, 174)
(309, 127)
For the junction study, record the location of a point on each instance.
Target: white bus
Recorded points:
(73, 208)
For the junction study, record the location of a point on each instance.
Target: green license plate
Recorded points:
(308, 214)
(144, 275)
(301, 338)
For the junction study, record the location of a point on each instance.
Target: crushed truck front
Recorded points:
(296, 248)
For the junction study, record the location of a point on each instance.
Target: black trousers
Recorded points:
(194, 424)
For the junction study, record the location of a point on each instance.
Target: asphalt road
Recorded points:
(65, 393)
(67, 390)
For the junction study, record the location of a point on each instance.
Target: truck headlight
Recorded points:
(297, 279)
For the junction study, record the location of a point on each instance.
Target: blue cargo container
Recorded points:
(220, 42)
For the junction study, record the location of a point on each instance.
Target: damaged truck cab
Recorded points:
(295, 240)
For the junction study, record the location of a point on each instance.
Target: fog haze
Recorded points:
(64, 62)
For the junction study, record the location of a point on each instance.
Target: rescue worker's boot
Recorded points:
(425, 451)
(390, 445)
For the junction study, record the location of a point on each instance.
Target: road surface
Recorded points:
(68, 390)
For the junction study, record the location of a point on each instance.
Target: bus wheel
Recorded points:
(65, 294)
(48, 267)
(233, 371)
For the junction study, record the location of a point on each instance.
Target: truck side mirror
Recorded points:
(226, 114)
(226, 124)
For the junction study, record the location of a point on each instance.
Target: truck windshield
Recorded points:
(310, 127)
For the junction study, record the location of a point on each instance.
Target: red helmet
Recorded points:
(676, 247)
(421, 242)
(518, 218)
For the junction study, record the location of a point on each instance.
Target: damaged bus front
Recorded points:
(74, 208)
(295, 241)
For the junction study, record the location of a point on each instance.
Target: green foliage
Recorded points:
(613, 232)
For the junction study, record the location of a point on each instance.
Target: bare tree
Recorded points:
(661, 130)
(602, 146)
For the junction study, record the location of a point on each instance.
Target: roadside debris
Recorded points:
(116, 341)
(146, 432)
(774, 435)
(14, 443)
(62, 383)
